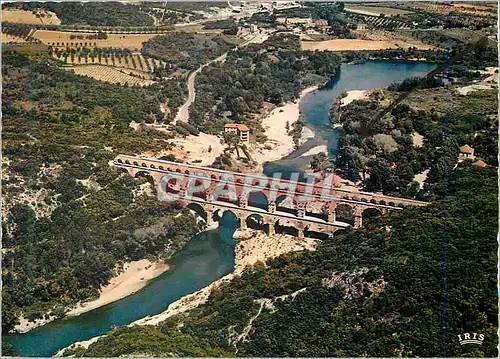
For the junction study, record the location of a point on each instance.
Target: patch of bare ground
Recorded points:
(360, 45)
(459, 7)
(9, 39)
(398, 38)
(354, 285)
(37, 16)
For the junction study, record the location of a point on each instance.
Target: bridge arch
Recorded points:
(316, 209)
(199, 210)
(310, 233)
(280, 228)
(122, 170)
(258, 199)
(145, 175)
(340, 232)
(228, 216)
(284, 203)
(256, 221)
(344, 213)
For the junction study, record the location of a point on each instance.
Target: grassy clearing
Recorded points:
(478, 102)
(37, 16)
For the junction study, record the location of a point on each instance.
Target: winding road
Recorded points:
(183, 113)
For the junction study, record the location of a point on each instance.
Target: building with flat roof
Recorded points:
(238, 128)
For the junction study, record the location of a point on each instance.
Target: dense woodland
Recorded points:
(275, 72)
(186, 51)
(371, 292)
(379, 149)
(94, 14)
(70, 217)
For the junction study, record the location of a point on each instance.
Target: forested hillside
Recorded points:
(380, 149)
(275, 71)
(68, 217)
(371, 292)
(94, 14)
(186, 51)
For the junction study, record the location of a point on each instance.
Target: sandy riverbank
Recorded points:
(353, 95)
(279, 143)
(253, 246)
(26, 325)
(315, 150)
(133, 278)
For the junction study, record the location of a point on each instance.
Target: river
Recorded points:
(209, 255)
(315, 106)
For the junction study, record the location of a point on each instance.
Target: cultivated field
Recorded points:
(358, 44)
(382, 22)
(69, 39)
(109, 74)
(38, 16)
(142, 65)
(12, 39)
(375, 10)
(471, 9)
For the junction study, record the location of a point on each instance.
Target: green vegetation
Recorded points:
(275, 71)
(94, 14)
(384, 149)
(379, 149)
(229, 27)
(186, 51)
(370, 292)
(70, 217)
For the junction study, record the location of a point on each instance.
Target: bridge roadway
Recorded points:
(157, 168)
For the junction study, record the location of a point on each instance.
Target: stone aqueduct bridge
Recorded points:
(303, 215)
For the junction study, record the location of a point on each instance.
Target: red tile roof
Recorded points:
(466, 149)
(239, 126)
(480, 163)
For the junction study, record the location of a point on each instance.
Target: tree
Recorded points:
(232, 140)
